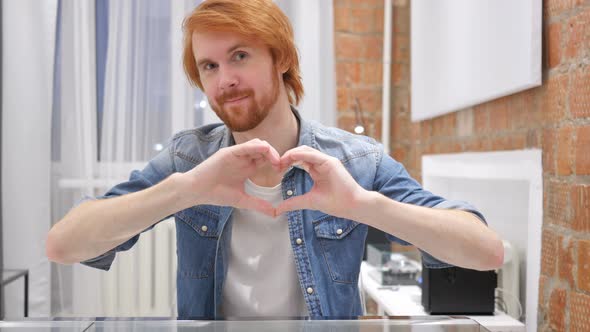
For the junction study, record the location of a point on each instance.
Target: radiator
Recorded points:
(142, 280)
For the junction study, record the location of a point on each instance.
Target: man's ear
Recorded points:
(282, 68)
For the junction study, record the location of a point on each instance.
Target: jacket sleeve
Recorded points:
(393, 181)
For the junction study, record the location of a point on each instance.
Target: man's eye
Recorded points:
(209, 66)
(240, 56)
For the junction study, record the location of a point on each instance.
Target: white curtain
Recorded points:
(28, 32)
(74, 144)
(313, 25)
(138, 117)
(109, 121)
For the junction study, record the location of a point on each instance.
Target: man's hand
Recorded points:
(334, 191)
(219, 180)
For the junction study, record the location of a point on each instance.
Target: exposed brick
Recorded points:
(400, 3)
(401, 21)
(566, 262)
(581, 208)
(549, 147)
(399, 126)
(518, 141)
(543, 285)
(376, 130)
(565, 151)
(464, 125)
(401, 97)
(501, 143)
(579, 312)
(549, 253)
(515, 141)
(533, 138)
(557, 198)
(556, 7)
(580, 92)
(416, 132)
(378, 16)
(369, 99)
(578, 35)
(522, 113)
(584, 265)
(399, 154)
(343, 98)
(349, 47)
(499, 115)
(583, 151)
(372, 73)
(557, 304)
(366, 3)
(342, 18)
(373, 47)
(481, 119)
(347, 122)
(554, 98)
(444, 126)
(398, 73)
(426, 130)
(553, 45)
(477, 145)
(341, 3)
(348, 73)
(363, 20)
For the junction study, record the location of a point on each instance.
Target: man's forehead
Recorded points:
(213, 43)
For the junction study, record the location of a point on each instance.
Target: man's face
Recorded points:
(238, 77)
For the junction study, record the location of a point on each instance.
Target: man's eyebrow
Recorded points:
(231, 49)
(235, 47)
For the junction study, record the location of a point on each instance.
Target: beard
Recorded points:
(240, 118)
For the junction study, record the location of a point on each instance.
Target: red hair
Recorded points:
(259, 20)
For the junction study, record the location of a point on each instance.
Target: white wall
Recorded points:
(28, 43)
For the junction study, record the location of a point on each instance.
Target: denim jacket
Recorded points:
(327, 250)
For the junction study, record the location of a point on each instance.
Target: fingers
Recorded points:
(295, 203)
(312, 161)
(255, 203)
(257, 150)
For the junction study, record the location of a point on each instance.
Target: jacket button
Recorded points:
(299, 241)
(339, 231)
(204, 228)
(309, 290)
(289, 192)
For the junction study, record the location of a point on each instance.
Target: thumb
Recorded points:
(294, 203)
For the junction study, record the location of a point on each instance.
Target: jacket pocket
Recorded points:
(196, 241)
(342, 243)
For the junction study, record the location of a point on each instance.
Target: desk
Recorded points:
(407, 301)
(364, 324)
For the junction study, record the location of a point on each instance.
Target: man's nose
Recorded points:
(228, 79)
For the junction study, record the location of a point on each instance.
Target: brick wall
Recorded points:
(554, 117)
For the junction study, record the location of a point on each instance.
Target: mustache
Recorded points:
(233, 94)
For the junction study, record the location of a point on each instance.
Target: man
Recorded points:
(271, 211)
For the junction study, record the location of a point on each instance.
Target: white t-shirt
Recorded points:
(261, 277)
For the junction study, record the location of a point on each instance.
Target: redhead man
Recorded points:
(271, 210)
